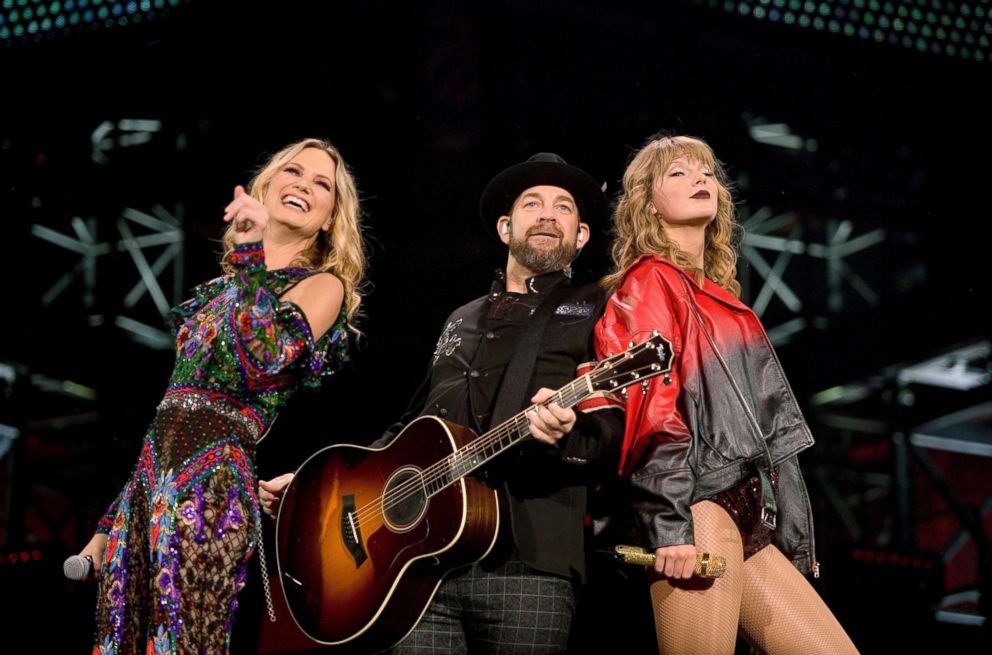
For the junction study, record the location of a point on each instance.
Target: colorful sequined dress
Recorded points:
(183, 528)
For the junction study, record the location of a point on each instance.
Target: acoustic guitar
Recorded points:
(364, 536)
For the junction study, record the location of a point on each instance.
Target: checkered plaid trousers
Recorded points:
(510, 610)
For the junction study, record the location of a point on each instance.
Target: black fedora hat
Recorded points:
(544, 168)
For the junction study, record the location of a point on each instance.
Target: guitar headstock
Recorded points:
(637, 364)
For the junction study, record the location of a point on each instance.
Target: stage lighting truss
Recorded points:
(154, 242)
(779, 135)
(7, 435)
(962, 369)
(125, 133)
(781, 236)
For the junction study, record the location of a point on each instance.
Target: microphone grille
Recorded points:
(76, 567)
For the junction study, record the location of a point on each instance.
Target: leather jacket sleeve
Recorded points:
(657, 442)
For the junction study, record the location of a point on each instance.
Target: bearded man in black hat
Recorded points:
(531, 334)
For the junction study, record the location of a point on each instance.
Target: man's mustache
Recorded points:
(545, 230)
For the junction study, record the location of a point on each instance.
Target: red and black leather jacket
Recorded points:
(724, 412)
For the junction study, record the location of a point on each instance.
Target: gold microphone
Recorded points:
(707, 565)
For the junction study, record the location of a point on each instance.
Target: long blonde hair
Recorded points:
(637, 231)
(340, 250)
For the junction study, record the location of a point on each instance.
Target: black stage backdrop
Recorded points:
(835, 138)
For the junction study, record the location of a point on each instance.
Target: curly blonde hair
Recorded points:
(637, 231)
(340, 250)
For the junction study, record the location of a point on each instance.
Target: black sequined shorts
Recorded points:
(743, 503)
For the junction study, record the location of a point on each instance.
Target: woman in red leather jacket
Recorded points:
(710, 449)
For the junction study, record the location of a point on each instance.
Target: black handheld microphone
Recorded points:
(78, 568)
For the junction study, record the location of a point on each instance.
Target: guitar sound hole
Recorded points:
(404, 499)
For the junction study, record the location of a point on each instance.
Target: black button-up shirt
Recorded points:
(545, 485)
(478, 347)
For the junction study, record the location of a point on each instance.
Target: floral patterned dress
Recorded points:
(184, 526)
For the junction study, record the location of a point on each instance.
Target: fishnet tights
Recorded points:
(211, 569)
(766, 598)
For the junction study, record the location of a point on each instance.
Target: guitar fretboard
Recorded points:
(648, 359)
(507, 434)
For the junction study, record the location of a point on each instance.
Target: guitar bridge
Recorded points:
(351, 532)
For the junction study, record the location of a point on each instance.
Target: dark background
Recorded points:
(427, 101)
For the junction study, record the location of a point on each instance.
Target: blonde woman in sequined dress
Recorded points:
(171, 553)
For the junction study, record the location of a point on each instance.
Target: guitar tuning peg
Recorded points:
(623, 393)
(655, 333)
(644, 386)
(631, 344)
(667, 379)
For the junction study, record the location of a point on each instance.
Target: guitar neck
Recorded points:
(501, 438)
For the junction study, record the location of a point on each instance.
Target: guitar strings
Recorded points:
(438, 470)
(450, 464)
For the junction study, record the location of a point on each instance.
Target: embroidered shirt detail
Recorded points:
(449, 341)
(575, 309)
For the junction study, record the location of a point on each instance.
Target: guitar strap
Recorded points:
(513, 394)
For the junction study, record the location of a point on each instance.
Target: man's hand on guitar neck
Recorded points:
(270, 493)
(549, 423)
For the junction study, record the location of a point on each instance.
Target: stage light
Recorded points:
(22, 21)
(912, 24)
(21, 557)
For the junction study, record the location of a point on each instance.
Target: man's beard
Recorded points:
(541, 261)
